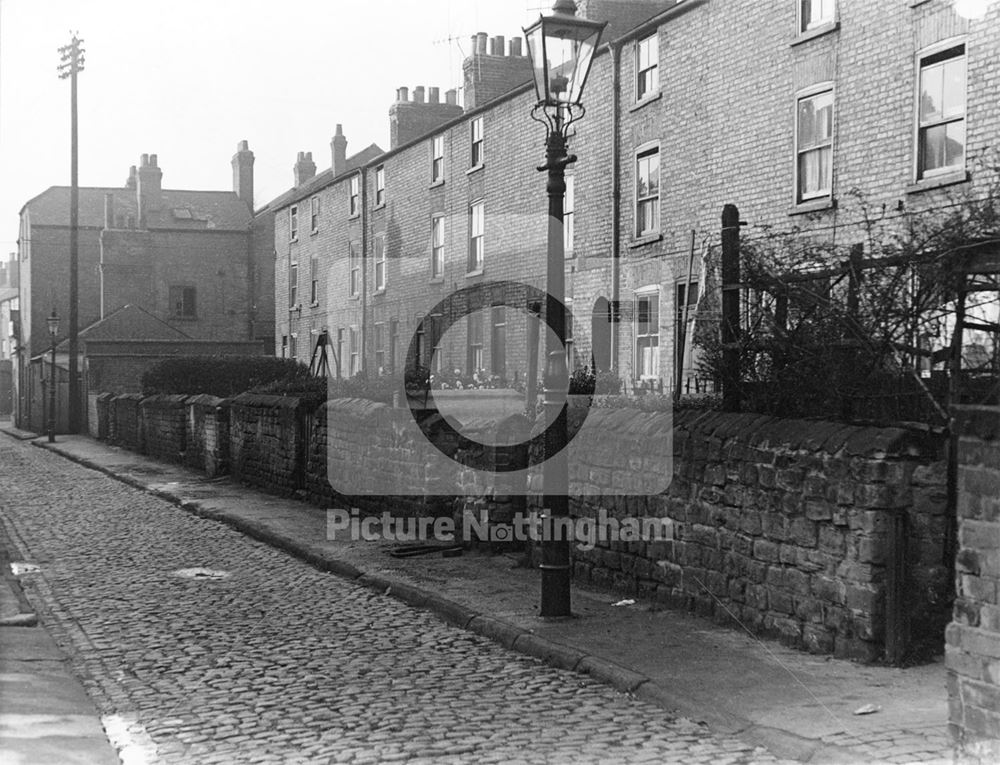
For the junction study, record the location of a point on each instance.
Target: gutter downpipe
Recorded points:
(364, 269)
(614, 48)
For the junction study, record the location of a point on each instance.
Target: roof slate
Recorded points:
(218, 210)
(130, 322)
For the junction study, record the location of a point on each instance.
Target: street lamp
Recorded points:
(561, 48)
(53, 324)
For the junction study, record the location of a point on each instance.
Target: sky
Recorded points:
(186, 80)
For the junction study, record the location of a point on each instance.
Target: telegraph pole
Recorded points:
(72, 63)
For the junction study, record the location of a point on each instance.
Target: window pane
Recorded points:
(953, 88)
(954, 143)
(931, 92)
(815, 172)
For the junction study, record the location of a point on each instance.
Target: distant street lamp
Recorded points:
(53, 324)
(561, 48)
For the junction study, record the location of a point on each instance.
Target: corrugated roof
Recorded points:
(218, 210)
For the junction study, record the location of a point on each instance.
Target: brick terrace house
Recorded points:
(682, 118)
(188, 258)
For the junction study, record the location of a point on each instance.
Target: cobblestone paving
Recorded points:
(278, 662)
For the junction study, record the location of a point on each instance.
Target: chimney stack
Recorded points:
(491, 72)
(304, 167)
(409, 120)
(243, 173)
(130, 183)
(149, 190)
(338, 147)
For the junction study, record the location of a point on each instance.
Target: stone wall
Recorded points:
(786, 526)
(267, 442)
(972, 653)
(783, 525)
(164, 426)
(207, 434)
(124, 422)
(336, 435)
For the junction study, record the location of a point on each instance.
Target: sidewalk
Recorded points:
(46, 716)
(799, 706)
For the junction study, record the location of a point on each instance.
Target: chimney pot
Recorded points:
(152, 160)
(339, 130)
(433, 95)
(500, 42)
(144, 160)
(418, 94)
(481, 38)
(402, 94)
(451, 97)
(243, 146)
(515, 46)
(109, 210)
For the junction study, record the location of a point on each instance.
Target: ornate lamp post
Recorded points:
(53, 325)
(561, 48)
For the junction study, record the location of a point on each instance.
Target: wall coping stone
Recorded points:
(266, 401)
(164, 401)
(205, 399)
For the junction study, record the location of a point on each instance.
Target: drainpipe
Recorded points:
(615, 51)
(364, 270)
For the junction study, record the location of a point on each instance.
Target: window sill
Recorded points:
(642, 241)
(378, 292)
(812, 34)
(477, 272)
(293, 240)
(354, 297)
(938, 181)
(475, 169)
(813, 205)
(184, 318)
(354, 216)
(436, 280)
(380, 206)
(314, 232)
(646, 100)
(915, 3)
(435, 184)
(314, 304)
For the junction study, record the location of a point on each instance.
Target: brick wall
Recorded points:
(214, 263)
(972, 653)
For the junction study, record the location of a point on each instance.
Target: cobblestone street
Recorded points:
(278, 662)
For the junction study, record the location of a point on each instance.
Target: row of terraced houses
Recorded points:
(782, 107)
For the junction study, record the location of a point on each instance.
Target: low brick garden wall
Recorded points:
(782, 525)
(972, 653)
